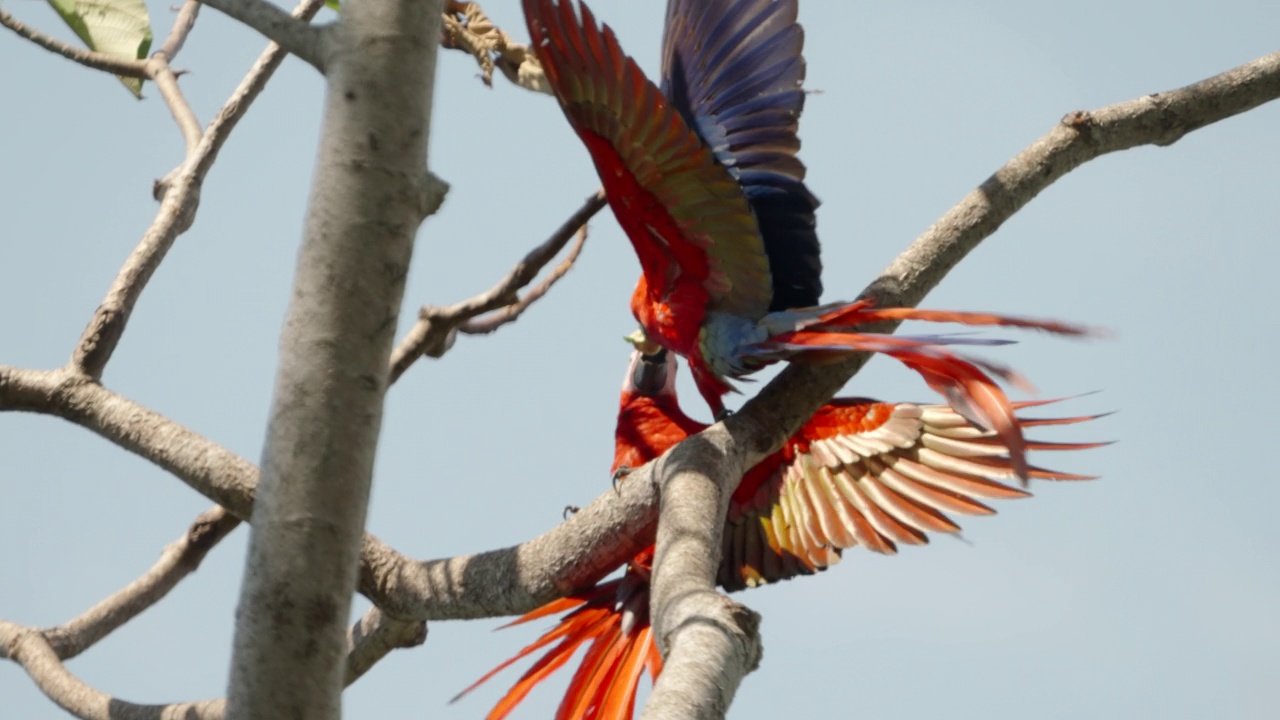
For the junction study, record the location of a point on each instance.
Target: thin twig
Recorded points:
(496, 319)
(369, 640)
(167, 83)
(297, 37)
(124, 67)
(179, 560)
(180, 198)
(432, 334)
(30, 649)
(182, 26)
(617, 525)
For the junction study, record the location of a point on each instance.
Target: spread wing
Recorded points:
(684, 212)
(870, 474)
(734, 71)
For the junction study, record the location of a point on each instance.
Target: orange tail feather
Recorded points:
(606, 681)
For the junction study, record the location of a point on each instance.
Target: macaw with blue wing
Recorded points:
(703, 177)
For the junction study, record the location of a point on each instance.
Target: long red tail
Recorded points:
(612, 622)
(965, 382)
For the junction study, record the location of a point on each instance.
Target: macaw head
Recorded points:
(652, 372)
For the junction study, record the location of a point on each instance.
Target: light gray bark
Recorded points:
(710, 642)
(369, 195)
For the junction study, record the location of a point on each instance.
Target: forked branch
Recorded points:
(685, 605)
(435, 330)
(180, 197)
(569, 557)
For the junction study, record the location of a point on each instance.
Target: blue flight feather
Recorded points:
(734, 69)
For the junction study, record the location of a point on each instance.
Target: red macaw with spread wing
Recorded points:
(703, 177)
(860, 472)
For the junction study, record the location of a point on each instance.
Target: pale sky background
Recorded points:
(1152, 592)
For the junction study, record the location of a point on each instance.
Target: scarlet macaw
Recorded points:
(703, 177)
(859, 472)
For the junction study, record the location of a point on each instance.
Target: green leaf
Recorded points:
(114, 27)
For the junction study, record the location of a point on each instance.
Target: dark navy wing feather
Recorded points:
(734, 70)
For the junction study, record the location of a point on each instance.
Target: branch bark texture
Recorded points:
(515, 580)
(365, 209)
(685, 613)
(295, 36)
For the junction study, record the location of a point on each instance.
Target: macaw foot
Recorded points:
(619, 474)
(570, 510)
(724, 413)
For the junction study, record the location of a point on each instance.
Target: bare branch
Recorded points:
(709, 642)
(180, 198)
(496, 319)
(468, 29)
(32, 651)
(124, 67)
(245, 93)
(297, 37)
(501, 582)
(160, 72)
(374, 636)
(571, 556)
(617, 525)
(1158, 119)
(368, 641)
(432, 334)
(685, 613)
(178, 560)
(371, 191)
(182, 26)
(167, 83)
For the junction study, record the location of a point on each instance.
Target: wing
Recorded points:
(734, 71)
(870, 474)
(684, 212)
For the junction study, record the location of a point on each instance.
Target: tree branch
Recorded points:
(124, 67)
(178, 561)
(180, 197)
(299, 38)
(368, 641)
(496, 319)
(182, 26)
(167, 83)
(685, 613)
(617, 525)
(709, 642)
(29, 648)
(374, 636)
(371, 191)
(501, 582)
(433, 333)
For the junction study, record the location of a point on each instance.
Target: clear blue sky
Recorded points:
(1151, 592)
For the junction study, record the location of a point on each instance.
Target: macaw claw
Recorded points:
(619, 474)
(570, 510)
